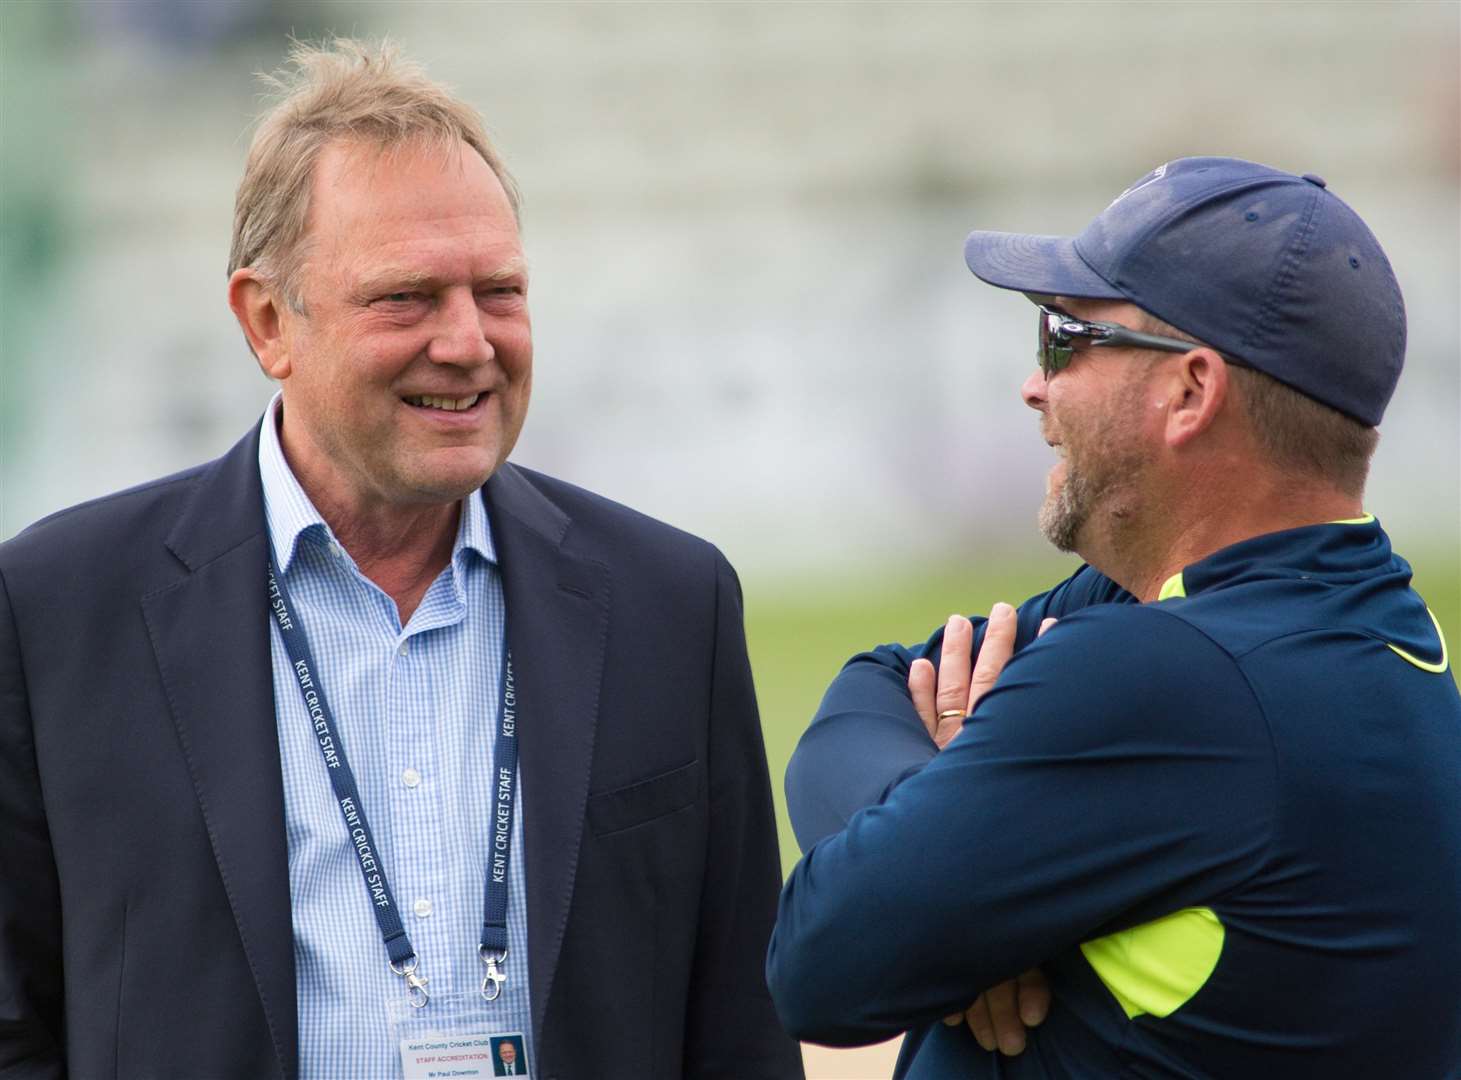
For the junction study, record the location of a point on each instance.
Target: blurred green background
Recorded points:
(801, 634)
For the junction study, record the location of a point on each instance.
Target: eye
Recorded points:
(505, 294)
(401, 306)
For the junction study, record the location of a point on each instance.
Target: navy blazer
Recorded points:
(144, 894)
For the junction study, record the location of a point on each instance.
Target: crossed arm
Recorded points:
(890, 712)
(944, 697)
(864, 742)
(1090, 792)
(867, 736)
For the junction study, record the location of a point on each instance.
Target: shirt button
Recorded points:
(335, 550)
(410, 778)
(404, 649)
(422, 907)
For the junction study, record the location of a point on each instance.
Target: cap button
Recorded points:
(1317, 181)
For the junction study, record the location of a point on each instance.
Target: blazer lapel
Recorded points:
(557, 627)
(210, 634)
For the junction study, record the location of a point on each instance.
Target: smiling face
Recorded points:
(407, 378)
(1092, 413)
(507, 1052)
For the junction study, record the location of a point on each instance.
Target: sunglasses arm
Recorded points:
(1102, 334)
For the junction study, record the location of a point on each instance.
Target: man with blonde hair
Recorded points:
(361, 751)
(1215, 803)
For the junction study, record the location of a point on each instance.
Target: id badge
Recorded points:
(453, 1038)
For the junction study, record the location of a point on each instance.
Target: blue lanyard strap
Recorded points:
(403, 961)
(347, 793)
(493, 950)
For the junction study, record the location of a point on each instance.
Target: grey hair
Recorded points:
(342, 89)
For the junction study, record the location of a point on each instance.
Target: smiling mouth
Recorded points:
(446, 404)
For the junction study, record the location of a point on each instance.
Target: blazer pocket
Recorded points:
(636, 804)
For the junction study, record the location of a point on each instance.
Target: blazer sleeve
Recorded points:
(31, 1005)
(731, 1029)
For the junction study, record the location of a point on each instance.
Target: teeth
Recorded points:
(433, 401)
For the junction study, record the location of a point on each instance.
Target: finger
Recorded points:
(1034, 994)
(982, 1027)
(1045, 624)
(921, 681)
(953, 1021)
(1009, 1033)
(953, 679)
(999, 644)
(953, 669)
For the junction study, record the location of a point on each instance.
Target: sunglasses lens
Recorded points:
(1054, 351)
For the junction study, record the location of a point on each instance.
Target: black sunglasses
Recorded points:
(1058, 331)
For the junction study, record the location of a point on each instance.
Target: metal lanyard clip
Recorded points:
(494, 978)
(415, 984)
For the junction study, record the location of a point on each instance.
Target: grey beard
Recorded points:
(1104, 485)
(1064, 512)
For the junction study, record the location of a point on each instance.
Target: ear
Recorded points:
(262, 314)
(1198, 391)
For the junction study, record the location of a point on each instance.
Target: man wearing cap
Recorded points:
(1216, 803)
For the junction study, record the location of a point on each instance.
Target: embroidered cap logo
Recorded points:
(1156, 174)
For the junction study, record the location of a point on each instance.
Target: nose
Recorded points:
(458, 336)
(1033, 390)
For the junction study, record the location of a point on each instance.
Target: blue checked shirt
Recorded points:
(416, 709)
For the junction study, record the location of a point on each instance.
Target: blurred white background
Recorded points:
(745, 224)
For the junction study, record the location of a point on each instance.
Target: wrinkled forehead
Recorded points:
(413, 209)
(360, 178)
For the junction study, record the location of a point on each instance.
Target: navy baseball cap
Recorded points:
(1271, 269)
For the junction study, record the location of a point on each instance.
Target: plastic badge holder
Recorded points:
(454, 1038)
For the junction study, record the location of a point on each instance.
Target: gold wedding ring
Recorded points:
(947, 713)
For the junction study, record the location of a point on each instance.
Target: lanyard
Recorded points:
(403, 960)
(493, 949)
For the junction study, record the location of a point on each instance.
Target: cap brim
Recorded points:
(1042, 265)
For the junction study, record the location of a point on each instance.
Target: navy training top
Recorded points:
(1227, 825)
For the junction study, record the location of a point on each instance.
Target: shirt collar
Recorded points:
(291, 515)
(474, 533)
(1335, 551)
